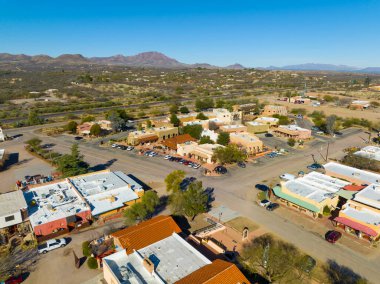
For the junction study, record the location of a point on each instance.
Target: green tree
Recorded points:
(72, 164)
(331, 124)
(201, 116)
(274, 259)
(174, 120)
(95, 130)
(223, 138)
(367, 81)
(33, 118)
(229, 154)
(291, 142)
(117, 121)
(148, 124)
(195, 200)
(282, 119)
(34, 143)
(142, 210)
(92, 263)
(184, 109)
(72, 127)
(173, 180)
(205, 140)
(194, 131)
(88, 118)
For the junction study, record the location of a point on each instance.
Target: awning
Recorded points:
(356, 226)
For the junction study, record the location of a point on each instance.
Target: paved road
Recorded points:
(235, 190)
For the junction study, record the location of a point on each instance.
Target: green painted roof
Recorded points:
(278, 192)
(346, 194)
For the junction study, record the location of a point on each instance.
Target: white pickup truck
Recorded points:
(51, 244)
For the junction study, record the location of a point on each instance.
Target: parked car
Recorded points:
(130, 148)
(220, 170)
(268, 135)
(333, 236)
(264, 203)
(241, 164)
(287, 177)
(14, 280)
(77, 138)
(196, 166)
(114, 145)
(315, 166)
(272, 206)
(152, 154)
(167, 157)
(147, 153)
(262, 187)
(51, 245)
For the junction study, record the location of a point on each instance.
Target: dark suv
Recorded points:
(333, 236)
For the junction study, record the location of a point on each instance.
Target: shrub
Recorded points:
(326, 211)
(291, 142)
(92, 263)
(86, 248)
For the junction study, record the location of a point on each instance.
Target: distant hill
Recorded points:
(160, 60)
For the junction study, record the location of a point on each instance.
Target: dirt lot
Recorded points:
(22, 164)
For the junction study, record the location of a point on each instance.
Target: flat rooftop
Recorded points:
(53, 202)
(369, 152)
(173, 259)
(233, 126)
(254, 123)
(2, 151)
(245, 136)
(106, 191)
(350, 172)
(266, 118)
(293, 127)
(12, 202)
(315, 186)
(364, 215)
(369, 195)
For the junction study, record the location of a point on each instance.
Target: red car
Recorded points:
(14, 280)
(333, 236)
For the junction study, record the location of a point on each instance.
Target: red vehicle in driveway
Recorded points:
(333, 236)
(14, 280)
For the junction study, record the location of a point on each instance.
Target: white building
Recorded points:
(13, 209)
(2, 135)
(166, 261)
(210, 133)
(107, 191)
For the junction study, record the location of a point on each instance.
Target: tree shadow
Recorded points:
(143, 184)
(12, 159)
(338, 274)
(183, 223)
(101, 167)
(163, 203)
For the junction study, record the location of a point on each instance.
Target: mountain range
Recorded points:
(159, 60)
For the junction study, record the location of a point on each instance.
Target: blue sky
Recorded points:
(253, 33)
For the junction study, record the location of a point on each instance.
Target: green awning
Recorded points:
(279, 193)
(346, 194)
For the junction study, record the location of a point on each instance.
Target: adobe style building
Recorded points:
(360, 105)
(107, 192)
(154, 252)
(249, 142)
(271, 121)
(311, 193)
(256, 127)
(293, 131)
(233, 128)
(270, 110)
(55, 207)
(151, 135)
(201, 152)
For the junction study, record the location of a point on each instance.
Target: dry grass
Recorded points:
(239, 223)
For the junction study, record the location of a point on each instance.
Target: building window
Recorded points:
(9, 218)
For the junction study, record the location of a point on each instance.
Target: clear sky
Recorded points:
(253, 33)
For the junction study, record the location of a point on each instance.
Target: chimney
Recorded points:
(148, 264)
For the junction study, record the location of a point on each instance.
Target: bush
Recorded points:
(291, 142)
(86, 248)
(326, 211)
(92, 263)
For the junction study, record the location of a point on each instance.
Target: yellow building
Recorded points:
(151, 135)
(249, 142)
(310, 193)
(256, 127)
(271, 121)
(361, 216)
(202, 153)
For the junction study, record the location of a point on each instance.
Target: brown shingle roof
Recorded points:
(218, 272)
(171, 143)
(146, 233)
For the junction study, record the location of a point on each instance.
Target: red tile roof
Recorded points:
(146, 233)
(352, 187)
(171, 143)
(356, 226)
(218, 272)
